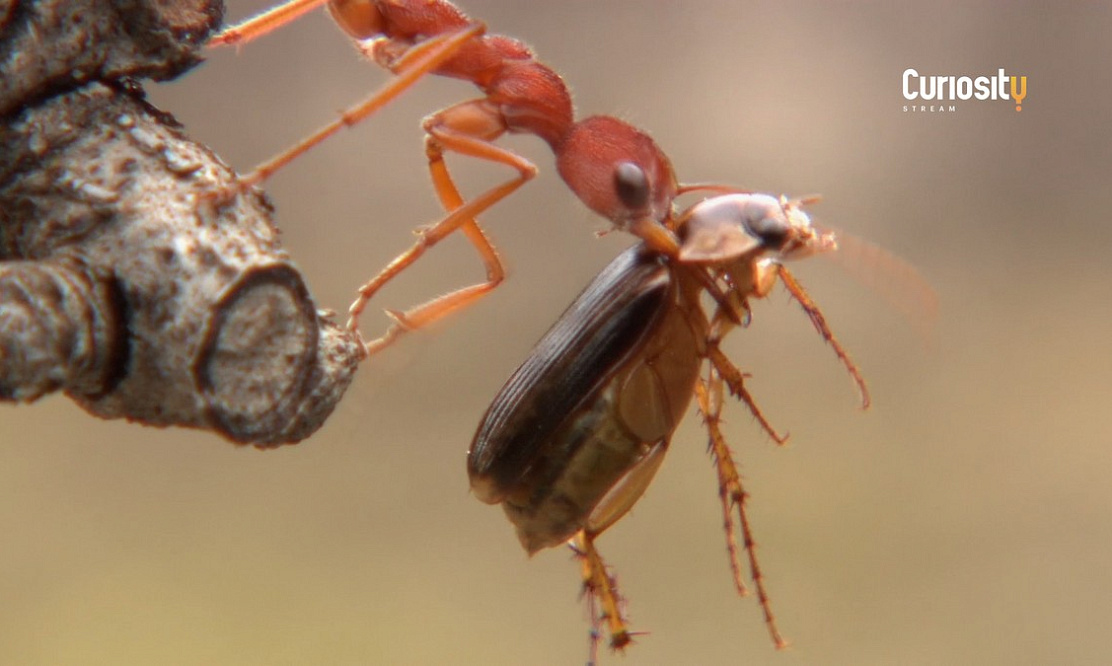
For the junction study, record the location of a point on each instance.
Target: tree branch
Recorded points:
(135, 274)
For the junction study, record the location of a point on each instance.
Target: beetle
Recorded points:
(575, 436)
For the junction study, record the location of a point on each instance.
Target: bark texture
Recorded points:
(136, 274)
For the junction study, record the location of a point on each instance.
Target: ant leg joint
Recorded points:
(401, 320)
(528, 171)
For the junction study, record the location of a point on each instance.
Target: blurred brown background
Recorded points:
(967, 518)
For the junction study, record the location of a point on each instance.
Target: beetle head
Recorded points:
(731, 226)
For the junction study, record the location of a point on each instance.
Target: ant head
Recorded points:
(618, 171)
(727, 227)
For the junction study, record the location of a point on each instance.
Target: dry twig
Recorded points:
(134, 274)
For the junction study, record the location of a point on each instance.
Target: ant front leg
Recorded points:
(420, 60)
(264, 23)
(469, 129)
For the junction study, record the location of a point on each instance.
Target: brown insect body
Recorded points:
(576, 434)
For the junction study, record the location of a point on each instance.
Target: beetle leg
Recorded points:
(708, 412)
(735, 381)
(600, 587)
(594, 636)
(732, 494)
(726, 300)
(819, 321)
(735, 312)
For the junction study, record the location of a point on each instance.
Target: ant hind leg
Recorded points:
(469, 129)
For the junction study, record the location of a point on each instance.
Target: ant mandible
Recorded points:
(617, 170)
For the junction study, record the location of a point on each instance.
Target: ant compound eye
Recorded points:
(768, 223)
(631, 185)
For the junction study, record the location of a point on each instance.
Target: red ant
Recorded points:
(616, 169)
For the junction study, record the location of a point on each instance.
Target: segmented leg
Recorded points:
(715, 188)
(599, 586)
(264, 23)
(726, 371)
(705, 401)
(422, 59)
(819, 321)
(468, 129)
(594, 636)
(708, 392)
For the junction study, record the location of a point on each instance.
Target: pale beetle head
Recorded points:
(731, 226)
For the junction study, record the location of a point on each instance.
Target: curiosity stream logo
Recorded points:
(939, 89)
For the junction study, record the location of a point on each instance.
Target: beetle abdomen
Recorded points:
(601, 451)
(601, 390)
